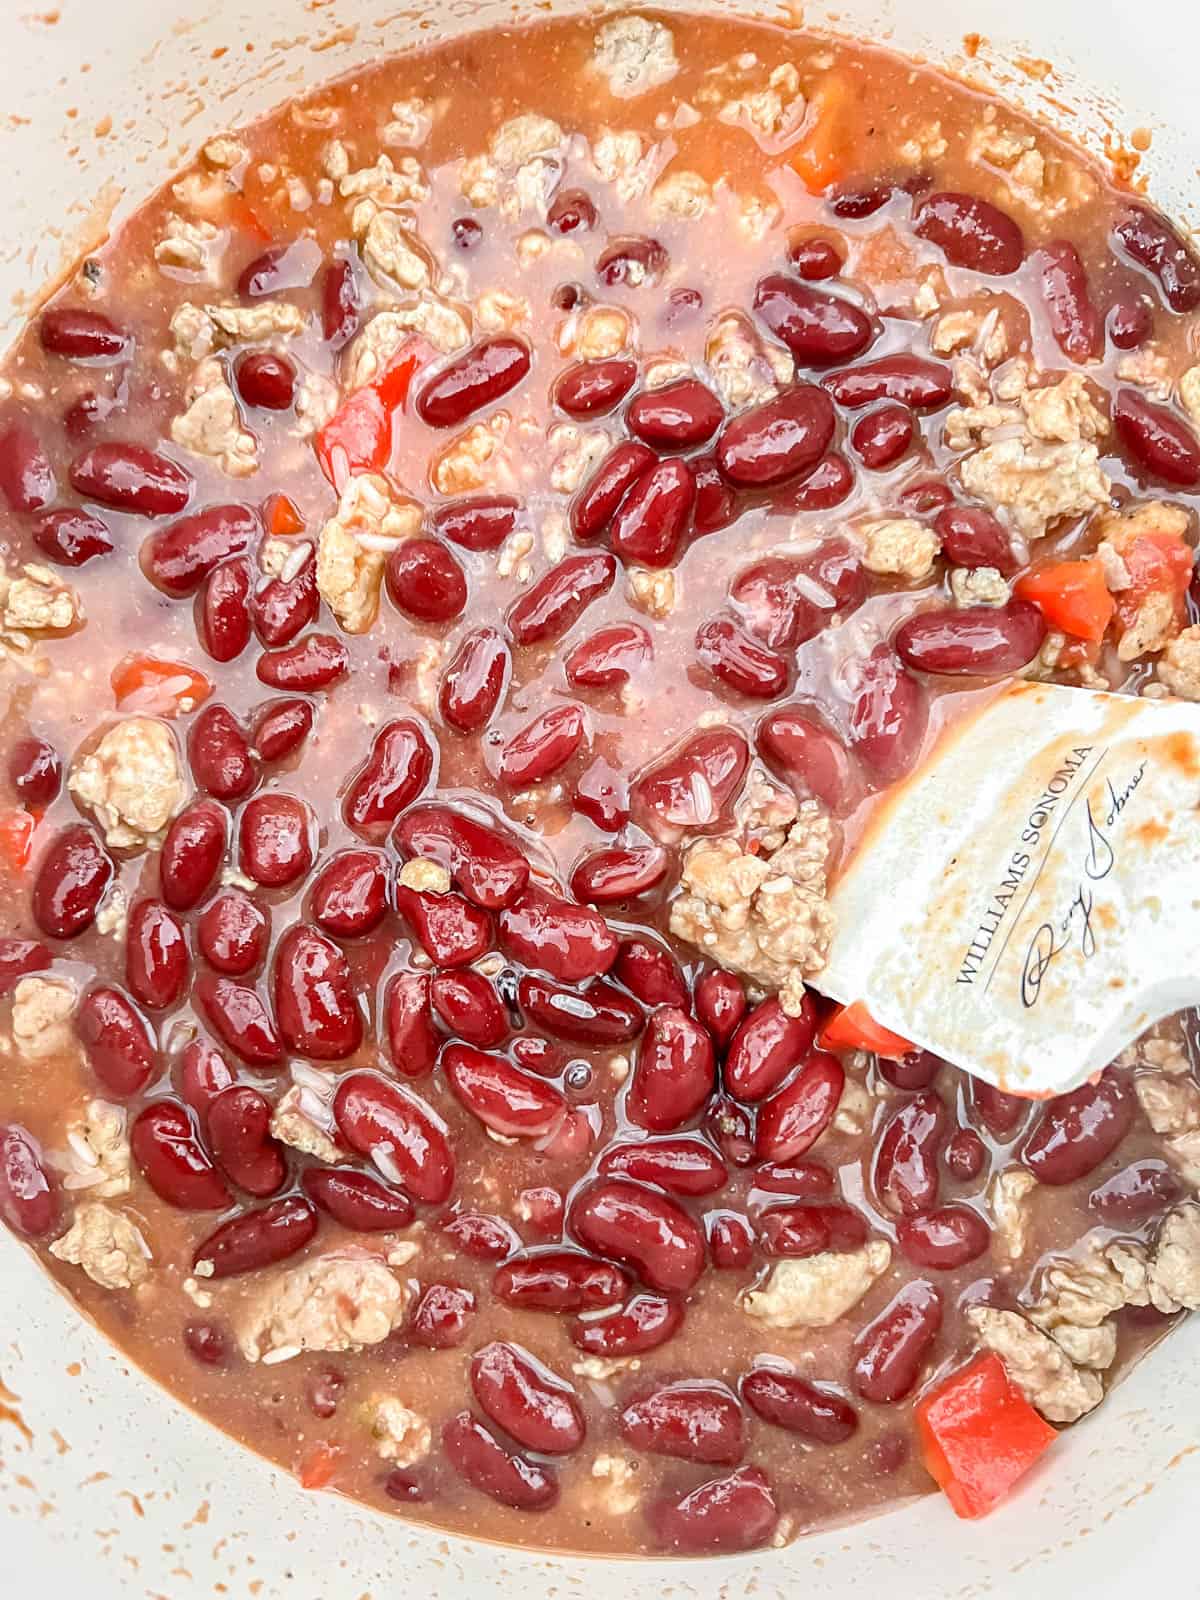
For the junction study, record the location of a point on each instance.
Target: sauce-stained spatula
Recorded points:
(1028, 901)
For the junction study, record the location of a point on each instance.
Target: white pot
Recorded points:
(121, 1490)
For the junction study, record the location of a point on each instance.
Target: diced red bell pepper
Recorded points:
(282, 516)
(979, 1435)
(16, 837)
(853, 1027)
(1072, 596)
(817, 155)
(319, 1466)
(162, 688)
(358, 437)
(1157, 563)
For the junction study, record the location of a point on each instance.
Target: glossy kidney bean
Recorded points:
(395, 773)
(926, 497)
(906, 1174)
(767, 1045)
(972, 537)
(813, 761)
(350, 893)
(975, 641)
(232, 933)
(450, 930)
(917, 1070)
(805, 1180)
(808, 1230)
(696, 783)
(471, 1009)
(486, 866)
(605, 876)
(80, 334)
(71, 879)
(944, 1238)
(673, 1074)
(559, 598)
(29, 1198)
(156, 955)
(474, 680)
(339, 302)
(1157, 439)
(219, 754)
(631, 261)
(324, 1392)
(908, 380)
(650, 522)
(284, 606)
(413, 1041)
(1155, 243)
(18, 958)
(527, 1400)
(598, 1014)
(1001, 1113)
(818, 328)
(426, 581)
(223, 613)
(275, 840)
(645, 1322)
(180, 557)
(204, 1074)
(676, 416)
(129, 477)
(1074, 319)
(281, 727)
(820, 487)
(1136, 1193)
(815, 258)
(240, 1019)
(883, 435)
(740, 661)
(484, 373)
(722, 1515)
(257, 1239)
(559, 1281)
(70, 537)
(684, 1167)
(730, 1240)
(640, 1228)
(316, 661)
(889, 713)
(972, 233)
(477, 522)
(265, 380)
(314, 997)
(1078, 1130)
(715, 505)
(1130, 322)
(651, 973)
(542, 746)
(440, 1319)
(862, 199)
(482, 1461)
(786, 1400)
(171, 1158)
(398, 1132)
(192, 853)
(597, 502)
(275, 269)
(27, 479)
(889, 1352)
(482, 1237)
(207, 1343)
(609, 656)
(601, 794)
(965, 1156)
(570, 211)
(590, 388)
(693, 1421)
(776, 440)
(506, 1099)
(238, 1124)
(35, 771)
(569, 942)
(356, 1200)
(796, 1116)
(720, 999)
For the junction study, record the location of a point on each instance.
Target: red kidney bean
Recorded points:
(275, 840)
(811, 759)
(265, 380)
(1130, 322)
(598, 500)
(474, 680)
(239, 1124)
(778, 439)
(674, 1072)
(413, 1041)
(1157, 439)
(314, 662)
(314, 997)
(441, 1316)
(601, 794)
(450, 930)
(972, 537)
(570, 210)
(888, 1353)
(692, 786)
(233, 933)
(786, 1400)
(680, 1166)
(397, 1131)
(966, 1155)
(720, 1004)
(794, 1118)
(1074, 320)
(542, 746)
(395, 773)
(470, 1008)
(27, 479)
(350, 893)
(806, 1180)
(257, 1239)
(282, 607)
(204, 1074)
(567, 941)
(223, 614)
(815, 259)
(559, 598)
(339, 303)
(1136, 1193)
(179, 558)
(590, 388)
(172, 1160)
(504, 1098)
(715, 505)
(477, 522)
(724, 1514)
(605, 876)
(910, 380)
(943, 1239)
(691, 1420)
(609, 656)
(650, 973)
(808, 1230)
(92, 409)
(240, 1019)
(917, 1070)
(219, 754)
(278, 268)
(1078, 1130)
(677, 416)
(640, 1228)
(70, 537)
(926, 498)
(730, 1241)
(81, 335)
(482, 1461)
(971, 233)
(785, 601)
(739, 661)
(71, 879)
(18, 958)
(192, 853)
(29, 1200)
(324, 1392)
(888, 716)
(882, 436)
(129, 477)
(819, 329)
(558, 1281)
(482, 374)
(906, 1174)
(482, 1237)
(863, 200)
(426, 581)
(976, 641)
(650, 522)
(598, 1014)
(486, 866)
(999, 1111)
(644, 1323)
(631, 261)
(766, 1047)
(156, 955)
(820, 488)
(1155, 243)
(527, 1400)
(356, 1200)
(35, 772)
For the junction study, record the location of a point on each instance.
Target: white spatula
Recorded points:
(1028, 902)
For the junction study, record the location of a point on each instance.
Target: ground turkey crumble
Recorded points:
(41, 1019)
(353, 548)
(634, 55)
(400, 1434)
(107, 1245)
(334, 1302)
(815, 1291)
(131, 782)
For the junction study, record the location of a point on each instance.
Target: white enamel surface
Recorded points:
(121, 1493)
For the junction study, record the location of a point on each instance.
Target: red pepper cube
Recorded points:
(979, 1435)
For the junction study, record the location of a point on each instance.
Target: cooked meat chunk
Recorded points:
(354, 545)
(1061, 1391)
(814, 1291)
(634, 55)
(212, 424)
(107, 1245)
(131, 782)
(333, 1302)
(1178, 667)
(98, 1142)
(400, 1435)
(302, 1121)
(41, 1019)
(900, 547)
